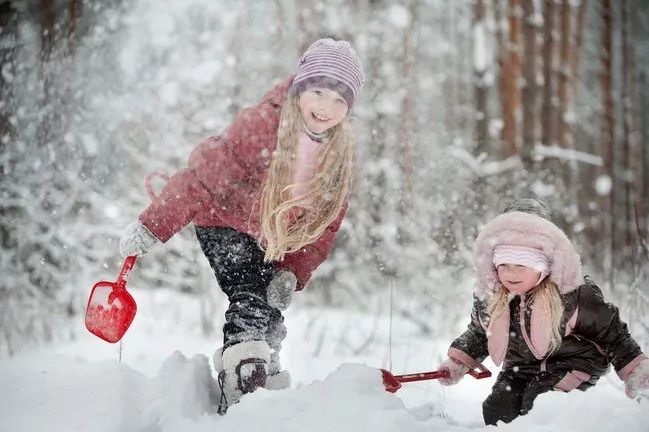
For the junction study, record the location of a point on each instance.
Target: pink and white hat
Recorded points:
(332, 64)
(522, 255)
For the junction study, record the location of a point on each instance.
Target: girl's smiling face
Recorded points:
(322, 108)
(518, 279)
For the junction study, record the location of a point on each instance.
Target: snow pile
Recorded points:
(73, 394)
(67, 393)
(336, 386)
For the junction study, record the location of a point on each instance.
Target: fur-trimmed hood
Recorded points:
(525, 229)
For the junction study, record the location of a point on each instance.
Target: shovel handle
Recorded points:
(483, 372)
(129, 262)
(479, 373)
(422, 376)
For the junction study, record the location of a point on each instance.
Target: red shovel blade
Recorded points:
(392, 383)
(111, 309)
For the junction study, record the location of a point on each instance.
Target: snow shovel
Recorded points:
(111, 308)
(392, 383)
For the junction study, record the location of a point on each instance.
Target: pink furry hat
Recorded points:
(525, 229)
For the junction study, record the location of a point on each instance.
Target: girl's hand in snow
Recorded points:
(638, 379)
(455, 369)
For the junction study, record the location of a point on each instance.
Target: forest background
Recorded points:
(468, 104)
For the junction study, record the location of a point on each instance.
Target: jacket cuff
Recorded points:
(157, 231)
(626, 370)
(462, 357)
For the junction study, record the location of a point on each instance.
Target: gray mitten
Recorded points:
(136, 240)
(280, 290)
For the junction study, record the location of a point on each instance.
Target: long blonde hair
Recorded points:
(545, 295)
(327, 191)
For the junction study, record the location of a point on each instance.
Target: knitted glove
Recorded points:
(136, 240)
(455, 369)
(638, 379)
(280, 290)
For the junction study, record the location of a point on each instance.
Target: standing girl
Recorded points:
(535, 315)
(267, 197)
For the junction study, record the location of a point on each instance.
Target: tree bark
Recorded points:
(480, 83)
(608, 138)
(8, 22)
(642, 202)
(575, 72)
(548, 107)
(564, 138)
(510, 76)
(631, 152)
(8, 29)
(529, 87)
(48, 20)
(75, 10)
(408, 124)
(500, 56)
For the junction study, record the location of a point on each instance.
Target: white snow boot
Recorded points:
(276, 379)
(243, 368)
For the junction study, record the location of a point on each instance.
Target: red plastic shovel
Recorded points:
(392, 383)
(111, 308)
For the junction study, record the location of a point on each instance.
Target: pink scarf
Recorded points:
(307, 154)
(538, 341)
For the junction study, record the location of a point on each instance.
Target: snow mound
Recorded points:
(350, 399)
(65, 393)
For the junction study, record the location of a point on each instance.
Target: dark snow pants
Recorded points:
(513, 394)
(242, 274)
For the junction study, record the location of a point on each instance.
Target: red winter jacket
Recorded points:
(222, 185)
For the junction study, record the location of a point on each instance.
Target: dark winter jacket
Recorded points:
(595, 337)
(222, 184)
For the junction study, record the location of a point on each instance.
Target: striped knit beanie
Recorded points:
(331, 64)
(522, 255)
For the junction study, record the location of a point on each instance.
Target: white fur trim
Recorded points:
(233, 355)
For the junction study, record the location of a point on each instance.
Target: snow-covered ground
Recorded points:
(162, 381)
